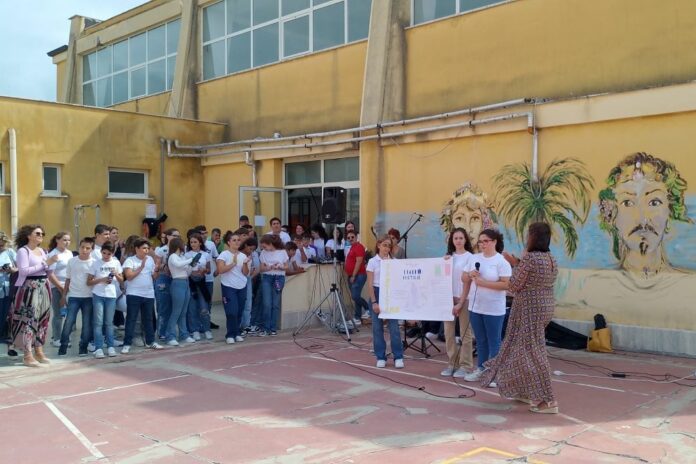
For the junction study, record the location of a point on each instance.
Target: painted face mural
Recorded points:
(470, 209)
(644, 193)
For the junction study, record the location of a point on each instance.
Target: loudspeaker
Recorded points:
(333, 209)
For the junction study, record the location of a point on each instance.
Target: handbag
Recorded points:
(600, 337)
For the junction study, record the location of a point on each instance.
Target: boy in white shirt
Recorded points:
(104, 277)
(79, 297)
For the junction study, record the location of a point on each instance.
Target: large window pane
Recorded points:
(328, 26)
(171, 62)
(266, 44)
(120, 51)
(129, 183)
(104, 92)
(120, 87)
(239, 52)
(304, 206)
(173, 28)
(103, 62)
(466, 5)
(213, 21)
(156, 76)
(137, 48)
(291, 6)
(427, 10)
(155, 43)
(137, 77)
(88, 94)
(238, 15)
(296, 36)
(50, 178)
(358, 19)
(303, 173)
(214, 60)
(89, 67)
(341, 170)
(265, 10)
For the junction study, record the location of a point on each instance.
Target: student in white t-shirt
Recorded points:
(59, 247)
(163, 297)
(233, 269)
(319, 239)
(198, 313)
(274, 263)
(106, 274)
(140, 271)
(78, 296)
(487, 279)
(276, 230)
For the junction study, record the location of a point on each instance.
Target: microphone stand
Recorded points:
(404, 236)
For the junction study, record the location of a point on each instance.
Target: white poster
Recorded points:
(416, 289)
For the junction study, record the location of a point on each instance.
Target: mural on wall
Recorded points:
(469, 208)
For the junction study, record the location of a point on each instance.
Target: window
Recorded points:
(125, 183)
(51, 180)
(137, 66)
(242, 34)
(429, 10)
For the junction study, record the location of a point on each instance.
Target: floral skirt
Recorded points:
(30, 314)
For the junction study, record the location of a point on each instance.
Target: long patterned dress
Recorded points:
(31, 308)
(522, 368)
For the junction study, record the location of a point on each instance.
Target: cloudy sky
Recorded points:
(31, 28)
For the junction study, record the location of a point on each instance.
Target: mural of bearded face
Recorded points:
(470, 209)
(469, 216)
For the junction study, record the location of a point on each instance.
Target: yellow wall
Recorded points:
(88, 141)
(548, 48)
(154, 104)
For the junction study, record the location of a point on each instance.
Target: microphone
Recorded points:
(419, 214)
(477, 265)
(372, 228)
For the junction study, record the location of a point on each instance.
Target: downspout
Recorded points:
(14, 190)
(249, 161)
(532, 129)
(163, 154)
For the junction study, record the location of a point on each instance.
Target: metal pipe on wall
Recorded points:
(14, 188)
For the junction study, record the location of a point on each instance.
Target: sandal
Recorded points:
(550, 408)
(522, 400)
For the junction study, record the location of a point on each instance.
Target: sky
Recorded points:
(31, 28)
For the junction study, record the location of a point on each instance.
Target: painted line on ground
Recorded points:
(74, 430)
(485, 449)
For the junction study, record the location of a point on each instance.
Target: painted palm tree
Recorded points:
(560, 196)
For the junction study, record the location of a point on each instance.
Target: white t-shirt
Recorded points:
(284, 236)
(486, 300)
(269, 258)
(460, 263)
(179, 266)
(102, 269)
(60, 266)
(330, 245)
(234, 278)
(77, 271)
(96, 252)
(205, 257)
(373, 266)
(140, 285)
(319, 245)
(212, 255)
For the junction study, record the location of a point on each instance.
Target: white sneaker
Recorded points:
(190, 340)
(460, 373)
(55, 343)
(196, 336)
(357, 323)
(381, 363)
(447, 372)
(431, 336)
(99, 354)
(458, 340)
(399, 363)
(91, 347)
(173, 343)
(118, 342)
(229, 341)
(125, 349)
(111, 351)
(474, 375)
(155, 346)
(365, 317)
(492, 385)
(238, 338)
(209, 335)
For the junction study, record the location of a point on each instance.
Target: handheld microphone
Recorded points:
(477, 266)
(418, 214)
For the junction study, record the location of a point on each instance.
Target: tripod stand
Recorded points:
(421, 343)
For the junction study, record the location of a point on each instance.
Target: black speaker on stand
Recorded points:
(333, 208)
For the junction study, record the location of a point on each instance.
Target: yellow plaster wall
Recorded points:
(153, 104)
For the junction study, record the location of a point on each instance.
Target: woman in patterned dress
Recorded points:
(522, 369)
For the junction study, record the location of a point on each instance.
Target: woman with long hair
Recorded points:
(163, 297)
(180, 269)
(522, 369)
(32, 304)
(8, 266)
(319, 239)
(395, 236)
(233, 269)
(58, 246)
(274, 263)
(198, 314)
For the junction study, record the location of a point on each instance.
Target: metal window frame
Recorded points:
(59, 184)
(135, 196)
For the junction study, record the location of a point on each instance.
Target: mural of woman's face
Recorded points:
(642, 213)
(467, 218)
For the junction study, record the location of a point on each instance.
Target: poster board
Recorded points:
(416, 289)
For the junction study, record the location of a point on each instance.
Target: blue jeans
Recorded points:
(198, 314)
(5, 303)
(356, 294)
(211, 287)
(379, 344)
(233, 300)
(56, 316)
(181, 294)
(146, 308)
(271, 291)
(163, 301)
(245, 319)
(487, 331)
(256, 302)
(74, 305)
(103, 319)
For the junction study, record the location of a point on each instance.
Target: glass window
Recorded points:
(213, 21)
(319, 2)
(358, 19)
(120, 51)
(89, 67)
(296, 36)
(328, 26)
(171, 62)
(239, 52)
(427, 10)
(265, 10)
(173, 28)
(156, 43)
(137, 48)
(238, 15)
(341, 169)
(127, 183)
(304, 206)
(291, 6)
(104, 92)
(51, 179)
(308, 172)
(156, 76)
(89, 95)
(467, 5)
(137, 82)
(104, 62)
(120, 87)
(214, 60)
(266, 44)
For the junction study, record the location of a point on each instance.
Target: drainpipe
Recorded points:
(14, 190)
(163, 155)
(249, 161)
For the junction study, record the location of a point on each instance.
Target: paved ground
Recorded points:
(319, 399)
